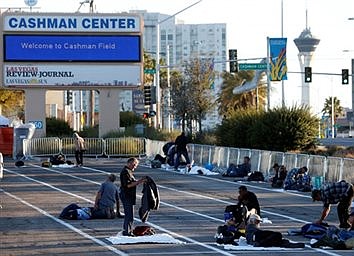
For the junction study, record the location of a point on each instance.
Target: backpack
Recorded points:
(143, 231)
(70, 212)
(237, 212)
(256, 176)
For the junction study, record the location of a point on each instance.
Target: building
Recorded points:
(187, 41)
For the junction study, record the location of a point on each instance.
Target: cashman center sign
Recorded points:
(71, 50)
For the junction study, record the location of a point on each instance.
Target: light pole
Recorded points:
(282, 35)
(157, 78)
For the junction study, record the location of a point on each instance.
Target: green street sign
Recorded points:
(252, 66)
(150, 71)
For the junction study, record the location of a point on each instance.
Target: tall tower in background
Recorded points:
(306, 44)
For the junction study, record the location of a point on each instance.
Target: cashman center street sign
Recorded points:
(252, 66)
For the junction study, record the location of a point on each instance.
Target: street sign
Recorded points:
(150, 71)
(252, 66)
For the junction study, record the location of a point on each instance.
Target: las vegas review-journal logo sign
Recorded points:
(64, 75)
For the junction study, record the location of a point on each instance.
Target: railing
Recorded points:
(95, 147)
(331, 168)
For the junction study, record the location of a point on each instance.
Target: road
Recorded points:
(345, 142)
(191, 209)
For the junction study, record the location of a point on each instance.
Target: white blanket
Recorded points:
(153, 239)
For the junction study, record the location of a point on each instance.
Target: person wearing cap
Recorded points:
(106, 198)
(249, 199)
(340, 193)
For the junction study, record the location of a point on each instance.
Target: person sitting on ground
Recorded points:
(338, 238)
(279, 176)
(298, 179)
(266, 238)
(107, 197)
(249, 199)
(241, 170)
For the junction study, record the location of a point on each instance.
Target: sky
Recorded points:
(249, 23)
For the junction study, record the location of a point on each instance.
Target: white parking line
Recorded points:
(182, 209)
(85, 235)
(74, 195)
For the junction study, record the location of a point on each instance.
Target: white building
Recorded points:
(186, 41)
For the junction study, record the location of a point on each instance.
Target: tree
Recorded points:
(11, 102)
(229, 102)
(191, 94)
(327, 108)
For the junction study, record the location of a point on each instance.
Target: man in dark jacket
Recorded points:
(249, 199)
(181, 149)
(333, 193)
(128, 194)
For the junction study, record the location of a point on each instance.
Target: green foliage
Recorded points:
(206, 138)
(89, 132)
(279, 129)
(235, 130)
(191, 96)
(129, 118)
(57, 128)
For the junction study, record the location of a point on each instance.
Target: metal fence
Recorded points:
(331, 168)
(95, 147)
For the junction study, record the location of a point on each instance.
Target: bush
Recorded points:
(279, 129)
(57, 128)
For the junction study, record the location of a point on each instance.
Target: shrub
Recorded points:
(57, 128)
(279, 129)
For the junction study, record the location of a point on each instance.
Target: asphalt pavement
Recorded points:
(191, 208)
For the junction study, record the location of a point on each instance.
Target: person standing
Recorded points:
(128, 185)
(341, 192)
(79, 149)
(106, 198)
(181, 149)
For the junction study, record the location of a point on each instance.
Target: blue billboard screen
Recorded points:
(72, 48)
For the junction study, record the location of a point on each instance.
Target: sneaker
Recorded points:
(124, 233)
(120, 215)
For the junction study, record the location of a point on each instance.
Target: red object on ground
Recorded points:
(6, 140)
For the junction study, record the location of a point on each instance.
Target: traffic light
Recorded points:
(145, 115)
(308, 74)
(345, 76)
(69, 97)
(233, 61)
(147, 95)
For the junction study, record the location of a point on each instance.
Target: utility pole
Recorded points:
(157, 76)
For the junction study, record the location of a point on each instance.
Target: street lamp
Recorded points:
(157, 79)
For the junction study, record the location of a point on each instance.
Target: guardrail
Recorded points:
(95, 147)
(331, 168)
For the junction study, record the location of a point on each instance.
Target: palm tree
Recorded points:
(229, 102)
(337, 108)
